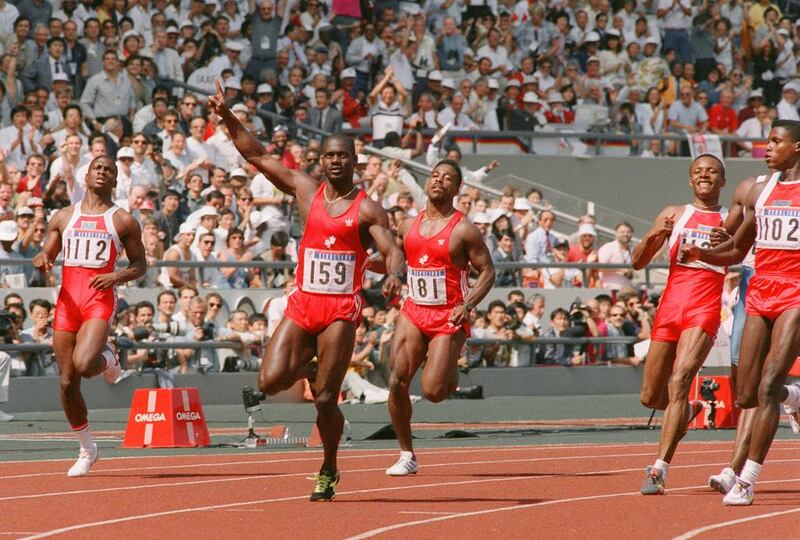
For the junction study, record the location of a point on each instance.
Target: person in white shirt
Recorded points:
(166, 59)
(757, 126)
(19, 140)
(225, 153)
(496, 53)
(787, 107)
(124, 179)
(8, 14)
(229, 59)
(617, 251)
(71, 159)
(455, 116)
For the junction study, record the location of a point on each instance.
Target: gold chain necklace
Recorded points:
(337, 199)
(426, 218)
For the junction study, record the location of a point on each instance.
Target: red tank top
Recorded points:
(697, 281)
(90, 245)
(778, 228)
(433, 279)
(331, 257)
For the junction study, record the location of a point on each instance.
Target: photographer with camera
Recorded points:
(7, 332)
(503, 324)
(41, 363)
(238, 329)
(198, 330)
(575, 323)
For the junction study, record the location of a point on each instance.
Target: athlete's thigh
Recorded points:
(443, 354)
(334, 351)
(784, 347)
(408, 350)
(63, 348)
(756, 342)
(91, 339)
(658, 364)
(693, 347)
(289, 348)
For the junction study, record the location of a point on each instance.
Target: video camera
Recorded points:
(233, 364)
(252, 399)
(7, 320)
(577, 311)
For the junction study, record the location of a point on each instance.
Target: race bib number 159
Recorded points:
(328, 272)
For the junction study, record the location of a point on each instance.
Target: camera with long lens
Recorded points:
(171, 328)
(208, 331)
(252, 399)
(577, 315)
(7, 321)
(233, 364)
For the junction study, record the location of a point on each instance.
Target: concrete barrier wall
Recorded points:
(637, 186)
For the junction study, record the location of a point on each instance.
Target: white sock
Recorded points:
(750, 472)
(793, 399)
(662, 466)
(108, 358)
(84, 436)
(405, 454)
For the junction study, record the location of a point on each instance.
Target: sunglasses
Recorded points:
(207, 242)
(214, 305)
(616, 315)
(246, 199)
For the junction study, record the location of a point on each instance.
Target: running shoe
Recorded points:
(722, 482)
(405, 465)
(741, 494)
(86, 458)
(111, 373)
(325, 488)
(653, 482)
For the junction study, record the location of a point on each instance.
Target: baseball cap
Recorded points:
(348, 73)
(613, 32)
(555, 97)
(60, 76)
(24, 211)
(449, 83)
(186, 23)
(234, 83)
(207, 211)
(125, 152)
(493, 84)
(530, 97)
(529, 79)
(238, 171)
(757, 93)
(435, 75)
(481, 217)
(591, 37)
(240, 107)
(362, 159)
(172, 30)
(147, 204)
(792, 85)
(652, 41)
(264, 88)
(513, 83)
(587, 228)
(8, 231)
(234, 45)
(593, 59)
(35, 202)
(520, 203)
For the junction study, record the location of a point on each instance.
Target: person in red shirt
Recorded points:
(557, 114)
(722, 118)
(585, 251)
(340, 223)
(353, 108)
(32, 181)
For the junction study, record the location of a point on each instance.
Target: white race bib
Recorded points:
(329, 272)
(427, 286)
(700, 237)
(778, 228)
(87, 249)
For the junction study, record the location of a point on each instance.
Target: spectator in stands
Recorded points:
(197, 330)
(722, 118)
(174, 276)
(539, 244)
(556, 278)
(618, 326)
(618, 251)
(505, 253)
(635, 313)
(787, 107)
(277, 306)
(686, 115)
(757, 127)
(560, 353)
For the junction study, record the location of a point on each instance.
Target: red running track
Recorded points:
(585, 491)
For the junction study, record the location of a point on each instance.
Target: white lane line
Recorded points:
(341, 451)
(701, 530)
(427, 513)
(113, 521)
(287, 475)
(389, 528)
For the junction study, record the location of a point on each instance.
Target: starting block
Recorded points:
(279, 437)
(727, 411)
(166, 418)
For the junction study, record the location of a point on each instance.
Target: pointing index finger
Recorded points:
(219, 87)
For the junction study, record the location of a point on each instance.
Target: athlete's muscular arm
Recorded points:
(735, 214)
(43, 261)
(378, 222)
(376, 263)
(130, 234)
(291, 182)
(481, 260)
(655, 237)
(734, 250)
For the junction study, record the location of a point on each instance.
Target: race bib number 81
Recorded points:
(427, 287)
(778, 227)
(329, 272)
(87, 249)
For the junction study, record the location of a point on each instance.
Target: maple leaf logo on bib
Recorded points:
(330, 241)
(441, 241)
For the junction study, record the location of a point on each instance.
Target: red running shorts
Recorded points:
(431, 321)
(75, 307)
(315, 312)
(676, 314)
(770, 295)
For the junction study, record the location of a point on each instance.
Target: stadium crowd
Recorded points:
(82, 79)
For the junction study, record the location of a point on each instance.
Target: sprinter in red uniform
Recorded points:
(322, 313)
(688, 314)
(440, 245)
(769, 340)
(92, 234)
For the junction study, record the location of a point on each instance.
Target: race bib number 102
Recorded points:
(778, 228)
(328, 272)
(427, 286)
